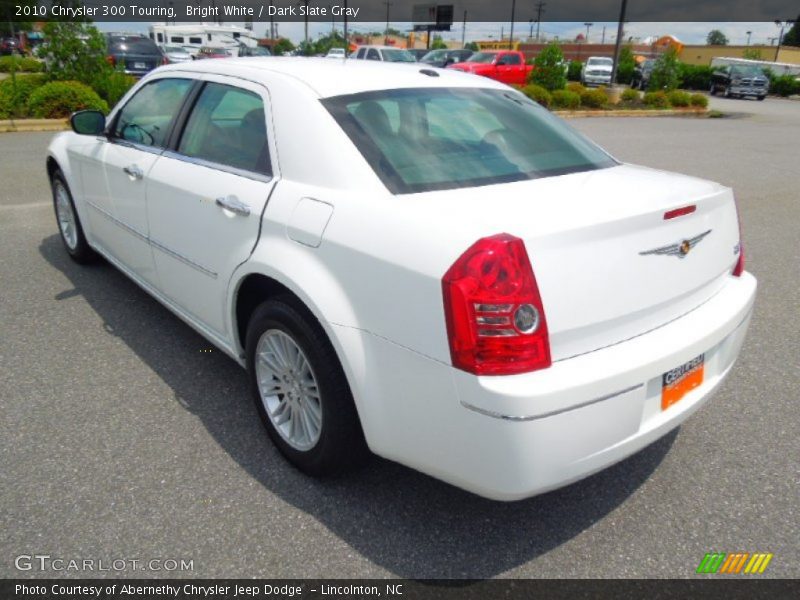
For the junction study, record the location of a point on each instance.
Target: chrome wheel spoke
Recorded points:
(288, 389)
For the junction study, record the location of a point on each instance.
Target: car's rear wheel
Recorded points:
(300, 389)
(713, 90)
(69, 224)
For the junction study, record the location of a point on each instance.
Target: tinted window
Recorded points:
(228, 127)
(510, 59)
(178, 39)
(160, 37)
(148, 116)
(483, 57)
(414, 144)
(195, 40)
(132, 45)
(373, 54)
(361, 53)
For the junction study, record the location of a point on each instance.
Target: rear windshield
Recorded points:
(425, 139)
(133, 46)
(482, 57)
(393, 55)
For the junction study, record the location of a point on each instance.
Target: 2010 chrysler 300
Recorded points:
(426, 264)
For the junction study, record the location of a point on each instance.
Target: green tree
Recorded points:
(625, 65)
(792, 37)
(281, 46)
(548, 69)
(74, 51)
(471, 46)
(665, 72)
(574, 70)
(716, 38)
(438, 43)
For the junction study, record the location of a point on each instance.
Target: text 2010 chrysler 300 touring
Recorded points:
(423, 263)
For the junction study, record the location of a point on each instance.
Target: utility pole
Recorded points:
(620, 33)
(604, 35)
(588, 25)
(271, 23)
(388, 4)
(539, 10)
(464, 31)
(513, 11)
(749, 33)
(782, 25)
(346, 39)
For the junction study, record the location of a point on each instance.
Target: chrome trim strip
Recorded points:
(183, 259)
(496, 415)
(116, 221)
(217, 166)
(153, 242)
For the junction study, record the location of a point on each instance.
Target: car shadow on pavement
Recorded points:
(406, 522)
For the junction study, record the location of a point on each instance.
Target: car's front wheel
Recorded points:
(69, 224)
(300, 389)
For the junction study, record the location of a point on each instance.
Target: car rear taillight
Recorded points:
(111, 60)
(739, 268)
(164, 60)
(494, 313)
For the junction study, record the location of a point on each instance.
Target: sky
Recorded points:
(688, 33)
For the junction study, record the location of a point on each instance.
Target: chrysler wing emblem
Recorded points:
(681, 249)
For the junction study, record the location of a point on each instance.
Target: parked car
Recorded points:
(383, 53)
(444, 58)
(739, 81)
(417, 53)
(212, 52)
(573, 309)
(597, 71)
(10, 45)
(641, 74)
(137, 54)
(336, 53)
(176, 54)
(503, 65)
(245, 50)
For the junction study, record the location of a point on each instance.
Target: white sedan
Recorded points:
(421, 263)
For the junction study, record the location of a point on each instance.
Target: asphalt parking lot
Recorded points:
(124, 437)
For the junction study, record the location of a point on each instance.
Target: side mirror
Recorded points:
(88, 122)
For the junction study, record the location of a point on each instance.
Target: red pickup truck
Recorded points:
(503, 65)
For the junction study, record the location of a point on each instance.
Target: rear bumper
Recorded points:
(508, 438)
(748, 91)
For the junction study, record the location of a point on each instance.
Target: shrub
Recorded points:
(694, 77)
(74, 51)
(538, 94)
(21, 64)
(548, 70)
(630, 96)
(565, 99)
(576, 87)
(59, 99)
(699, 100)
(574, 70)
(594, 98)
(625, 65)
(112, 85)
(785, 85)
(656, 99)
(665, 72)
(679, 98)
(15, 92)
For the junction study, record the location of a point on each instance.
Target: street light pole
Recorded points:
(620, 27)
(386, 33)
(513, 11)
(588, 25)
(749, 33)
(782, 25)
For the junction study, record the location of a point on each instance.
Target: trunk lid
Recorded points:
(608, 265)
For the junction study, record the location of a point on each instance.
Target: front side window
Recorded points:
(228, 127)
(148, 116)
(373, 54)
(411, 140)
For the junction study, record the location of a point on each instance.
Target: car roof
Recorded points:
(334, 78)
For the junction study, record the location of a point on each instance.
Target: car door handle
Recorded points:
(133, 171)
(233, 204)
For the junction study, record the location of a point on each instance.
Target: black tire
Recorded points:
(341, 446)
(727, 92)
(761, 98)
(713, 90)
(79, 251)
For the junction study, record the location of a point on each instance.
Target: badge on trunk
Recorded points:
(681, 249)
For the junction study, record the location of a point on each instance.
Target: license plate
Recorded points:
(138, 65)
(677, 382)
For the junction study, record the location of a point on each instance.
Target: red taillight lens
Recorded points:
(495, 317)
(739, 268)
(111, 60)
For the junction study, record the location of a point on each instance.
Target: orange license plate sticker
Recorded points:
(677, 382)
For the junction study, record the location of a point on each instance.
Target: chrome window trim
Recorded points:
(201, 162)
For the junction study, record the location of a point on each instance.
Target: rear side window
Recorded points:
(148, 116)
(411, 140)
(132, 45)
(228, 127)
